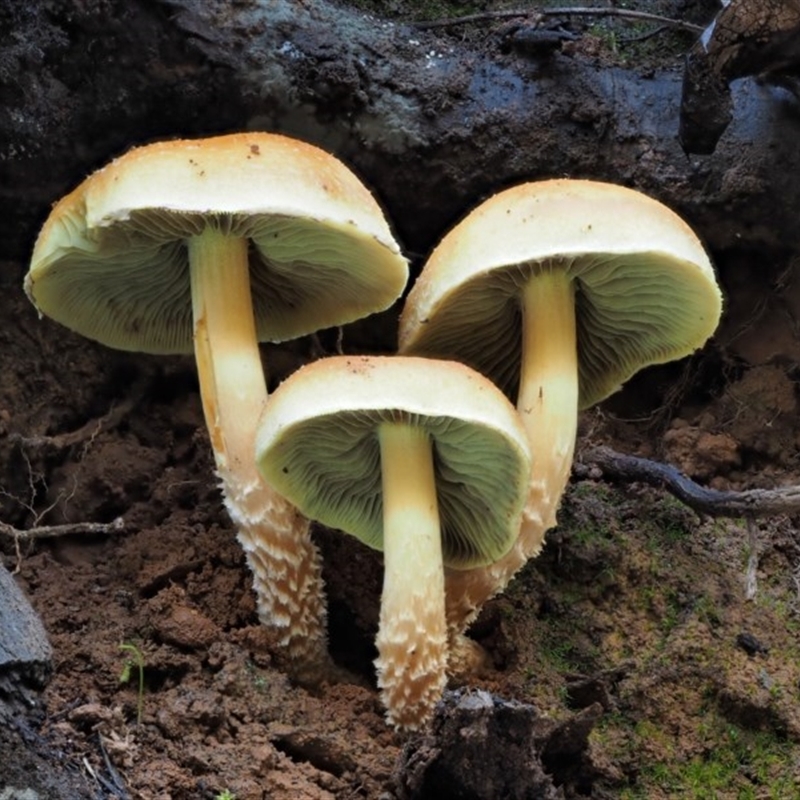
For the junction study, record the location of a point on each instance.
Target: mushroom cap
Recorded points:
(317, 444)
(111, 263)
(645, 288)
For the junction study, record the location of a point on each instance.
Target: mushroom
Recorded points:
(215, 245)
(559, 291)
(425, 460)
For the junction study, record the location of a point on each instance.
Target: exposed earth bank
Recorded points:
(647, 653)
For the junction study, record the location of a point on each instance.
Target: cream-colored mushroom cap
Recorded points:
(111, 261)
(645, 288)
(317, 444)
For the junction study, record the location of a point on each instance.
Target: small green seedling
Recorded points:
(225, 794)
(135, 659)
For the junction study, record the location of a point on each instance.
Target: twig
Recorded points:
(53, 531)
(622, 13)
(751, 503)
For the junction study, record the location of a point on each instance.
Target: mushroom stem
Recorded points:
(275, 536)
(232, 382)
(412, 637)
(548, 405)
(548, 392)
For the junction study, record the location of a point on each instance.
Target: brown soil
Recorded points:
(635, 603)
(636, 611)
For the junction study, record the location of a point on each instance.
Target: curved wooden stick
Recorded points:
(748, 503)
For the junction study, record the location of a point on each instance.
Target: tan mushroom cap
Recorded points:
(645, 288)
(111, 262)
(317, 445)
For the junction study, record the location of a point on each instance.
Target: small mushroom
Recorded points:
(559, 291)
(215, 245)
(422, 459)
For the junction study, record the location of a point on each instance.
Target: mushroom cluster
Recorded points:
(452, 455)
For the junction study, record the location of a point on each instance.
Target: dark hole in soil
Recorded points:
(351, 647)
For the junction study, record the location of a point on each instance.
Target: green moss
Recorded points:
(562, 651)
(783, 606)
(739, 764)
(559, 655)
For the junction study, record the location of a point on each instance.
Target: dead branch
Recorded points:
(54, 531)
(751, 503)
(68, 529)
(622, 13)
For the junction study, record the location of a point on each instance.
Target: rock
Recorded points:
(29, 768)
(750, 644)
(25, 654)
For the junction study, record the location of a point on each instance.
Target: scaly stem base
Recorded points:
(412, 637)
(285, 564)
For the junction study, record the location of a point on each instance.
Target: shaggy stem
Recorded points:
(284, 561)
(548, 405)
(412, 634)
